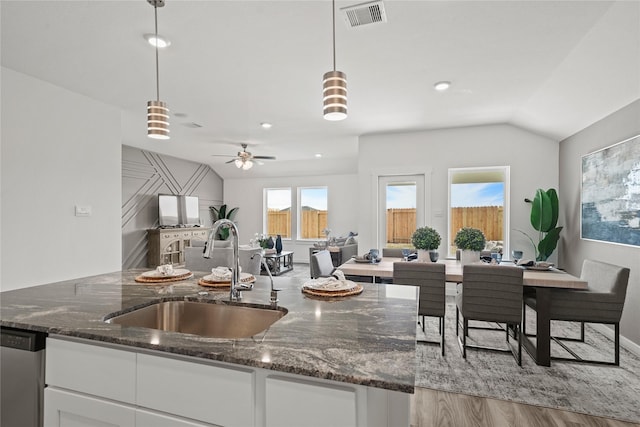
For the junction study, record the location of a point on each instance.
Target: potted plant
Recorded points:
(470, 241)
(544, 218)
(426, 240)
(222, 213)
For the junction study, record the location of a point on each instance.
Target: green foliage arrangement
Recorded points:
(544, 219)
(470, 239)
(426, 238)
(222, 213)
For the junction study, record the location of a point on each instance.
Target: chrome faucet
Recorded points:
(273, 299)
(236, 287)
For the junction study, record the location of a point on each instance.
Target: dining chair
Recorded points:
(490, 293)
(395, 252)
(250, 260)
(321, 264)
(602, 302)
(431, 279)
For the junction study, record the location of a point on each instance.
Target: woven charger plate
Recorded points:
(353, 290)
(210, 282)
(164, 279)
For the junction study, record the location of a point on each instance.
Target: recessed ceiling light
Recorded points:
(442, 86)
(266, 125)
(318, 155)
(160, 41)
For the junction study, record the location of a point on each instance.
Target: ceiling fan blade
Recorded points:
(231, 161)
(265, 157)
(221, 155)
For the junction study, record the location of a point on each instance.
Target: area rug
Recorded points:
(606, 391)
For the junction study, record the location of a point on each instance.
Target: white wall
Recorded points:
(59, 149)
(533, 160)
(617, 127)
(247, 194)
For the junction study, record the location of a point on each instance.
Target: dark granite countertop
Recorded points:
(368, 339)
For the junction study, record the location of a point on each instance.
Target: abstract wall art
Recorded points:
(610, 196)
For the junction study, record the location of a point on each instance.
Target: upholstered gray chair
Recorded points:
(602, 302)
(490, 293)
(321, 264)
(250, 260)
(431, 279)
(220, 257)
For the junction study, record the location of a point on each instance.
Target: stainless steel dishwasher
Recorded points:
(21, 378)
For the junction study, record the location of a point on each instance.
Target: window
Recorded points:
(478, 198)
(312, 212)
(278, 211)
(401, 209)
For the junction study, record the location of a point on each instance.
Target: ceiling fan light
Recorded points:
(238, 163)
(248, 164)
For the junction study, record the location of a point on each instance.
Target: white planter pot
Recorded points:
(469, 257)
(423, 255)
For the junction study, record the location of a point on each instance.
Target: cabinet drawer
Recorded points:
(201, 234)
(96, 370)
(66, 409)
(213, 394)
(315, 404)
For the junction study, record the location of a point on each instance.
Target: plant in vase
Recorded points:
(544, 218)
(426, 240)
(222, 213)
(470, 241)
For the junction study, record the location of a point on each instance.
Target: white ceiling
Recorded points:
(553, 67)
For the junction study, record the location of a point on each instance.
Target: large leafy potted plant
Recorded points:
(426, 240)
(544, 219)
(222, 213)
(470, 241)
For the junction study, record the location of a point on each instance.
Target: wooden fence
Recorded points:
(313, 222)
(486, 218)
(401, 223)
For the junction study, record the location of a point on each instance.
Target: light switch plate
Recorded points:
(83, 210)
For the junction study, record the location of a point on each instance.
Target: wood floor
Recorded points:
(443, 409)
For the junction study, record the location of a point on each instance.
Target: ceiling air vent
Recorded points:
(365, 13)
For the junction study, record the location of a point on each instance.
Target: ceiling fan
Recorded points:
(244, 159)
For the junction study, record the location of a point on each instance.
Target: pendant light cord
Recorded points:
(333, 16)
(155, 8)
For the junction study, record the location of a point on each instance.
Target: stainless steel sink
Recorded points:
(215, 320)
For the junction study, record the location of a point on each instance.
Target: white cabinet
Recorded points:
(107, 385)
(218, 395)
(315, 405)
(96, 370)
(67, 409)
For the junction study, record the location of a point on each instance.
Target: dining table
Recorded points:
(542, 282)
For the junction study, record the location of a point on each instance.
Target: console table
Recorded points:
(166, 245)
(279, 263)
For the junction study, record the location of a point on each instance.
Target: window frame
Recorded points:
(265, 210)
(299, 213)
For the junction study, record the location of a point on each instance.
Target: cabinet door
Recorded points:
(66, 409)
(154, 419)
(92, 369)
(303, 404)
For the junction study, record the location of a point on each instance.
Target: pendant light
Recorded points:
(334, 84)
(157, 111)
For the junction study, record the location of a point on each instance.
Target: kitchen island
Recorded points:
(349, 361)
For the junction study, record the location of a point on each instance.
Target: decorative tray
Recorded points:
(155, 276)
(217, 282)
(366, 261)
(539, 267)
(331, 288)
